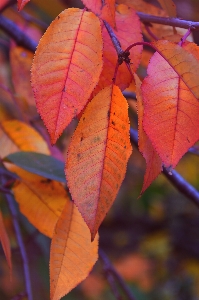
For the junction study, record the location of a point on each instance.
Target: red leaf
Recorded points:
(98, 155)
(170, 96)
(21, 4)
(103, 9)
(128, 32)
(66, 68)
(153, 161)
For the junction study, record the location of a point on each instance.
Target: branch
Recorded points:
(109, 268)
(145, 18)
(17, 34)
(11, 204)
(176, 179)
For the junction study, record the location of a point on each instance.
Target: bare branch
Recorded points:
(176, 179)
(11, 204)
(17, 34)
(145, 18)
(111, 270)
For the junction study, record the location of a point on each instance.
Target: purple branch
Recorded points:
(176, 179)
(114, 39)
(111, 270)
(17, 34)
(168, 21)
(11, 204)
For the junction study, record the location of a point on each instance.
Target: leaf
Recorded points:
(41, 201)
(153, 161)
(5, 242)
(170, 95)
(169, 7)
(103, 9)
(141, 6)
(183, 63)
(40, 164)
(18, 136)
(3, 3)
(66, 68)
(21, 4)
(98, 155)
(72, 254)
(21, 61)
(128, 32)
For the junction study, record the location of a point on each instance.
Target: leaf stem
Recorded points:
(183, 39)
(11, 204)
(110, 269)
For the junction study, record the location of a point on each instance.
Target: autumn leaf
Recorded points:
(170, 95)
(40, 200)
(5, 242)
(142, 6)
(169, 7)
(3, 3)
(128, 32)
(72, 254)
(98, 154)
(16, 135)
(21, 4)
(153, 161)
(66, 68)
(103, 9)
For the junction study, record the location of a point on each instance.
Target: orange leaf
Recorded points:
(21, 61)
(170, 95)
(21, 4)
(66, 68)
(169, 7)
(5, 242)
(72, 254)
(153, 161)
(103, 9)
(98, 154)
(128, 32)
(18, 136)
(40, 200)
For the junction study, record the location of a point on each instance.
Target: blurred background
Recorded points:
(153, 241)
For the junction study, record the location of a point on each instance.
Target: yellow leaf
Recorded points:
(18, 136)
(72, 253)
(41, 201)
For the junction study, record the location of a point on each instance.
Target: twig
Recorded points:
(111, 270)
(176, 179)
(11, 204)
(114, 39)
(175, 22)
(129, 95)
(183, 39)
(17, 34)
(28, 18)
(147, 27)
